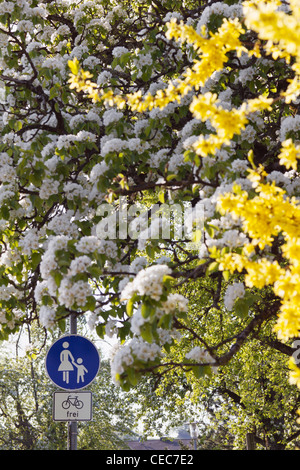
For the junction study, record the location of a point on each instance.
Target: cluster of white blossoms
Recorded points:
(7, 291)
(118, 51)
(289, 124)
(199, 354)
(126, 355)
(66, 141)
(75, 190)
(79, 265)
(62, 224)
(118, 145)
(233, 292)
(175, 302)
(71, 290)
(48, 188)
(47, 316)
(148, 281)
(8, 172)
(68, 292)
(87, 244)
(73, 293)
(111, 115)
(219, 8)
(29, 242)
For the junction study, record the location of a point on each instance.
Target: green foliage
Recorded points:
(26, 421)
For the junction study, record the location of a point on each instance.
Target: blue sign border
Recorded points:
(78, 346)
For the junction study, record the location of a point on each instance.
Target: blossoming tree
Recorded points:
(189, 109)
(227, 121)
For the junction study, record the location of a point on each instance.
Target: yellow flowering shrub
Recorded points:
(265, 216)
(271, 212)
(281, 31)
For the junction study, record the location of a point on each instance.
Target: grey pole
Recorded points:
(250, 441)
(194, 434)
(72, 425)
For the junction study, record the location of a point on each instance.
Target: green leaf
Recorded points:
(133, 377)
(100, 330)
(201, 371)
(161, 196)
(171, 177)
(57, 275)
(241, 308)
(150, 250)
(146, 310)
(129, 307)
(146, 332)
(4, 212)
(18, 126)
(198, 372)
(36, 258)
(95, 271)
(62, 325)
(212, 267)
(166, 321)
(53, 92)
(201, 261)
(90, 304)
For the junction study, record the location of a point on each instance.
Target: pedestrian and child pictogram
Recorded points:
(72, 362)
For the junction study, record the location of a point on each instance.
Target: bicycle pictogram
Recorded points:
(72, 401)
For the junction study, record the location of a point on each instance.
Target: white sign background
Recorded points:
(72, 406)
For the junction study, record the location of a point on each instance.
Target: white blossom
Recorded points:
(126, 354)
(175, 301)
(47, 316)
(48, 188)
(233, 292)
(288, 124)
(148, 281)
(87, 244)
(199, 354)
(119, 51)
(111, 115)
(79, 265)
(29, 242)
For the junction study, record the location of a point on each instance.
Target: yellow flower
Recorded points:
(248, 250)
(203, 107)
(291, 250)
(232, 262)
(285, 286)
(258, 104)
(228, 123)
(205, 146)
(288, 324)
(289, 154)
(294, 378)
(282, 33)
(262, 273)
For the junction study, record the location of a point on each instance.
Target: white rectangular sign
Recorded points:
(72, 406)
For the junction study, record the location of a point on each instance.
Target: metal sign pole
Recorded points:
(72, 425)
(72, 363)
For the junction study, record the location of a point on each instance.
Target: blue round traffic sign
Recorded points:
(72, 362)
